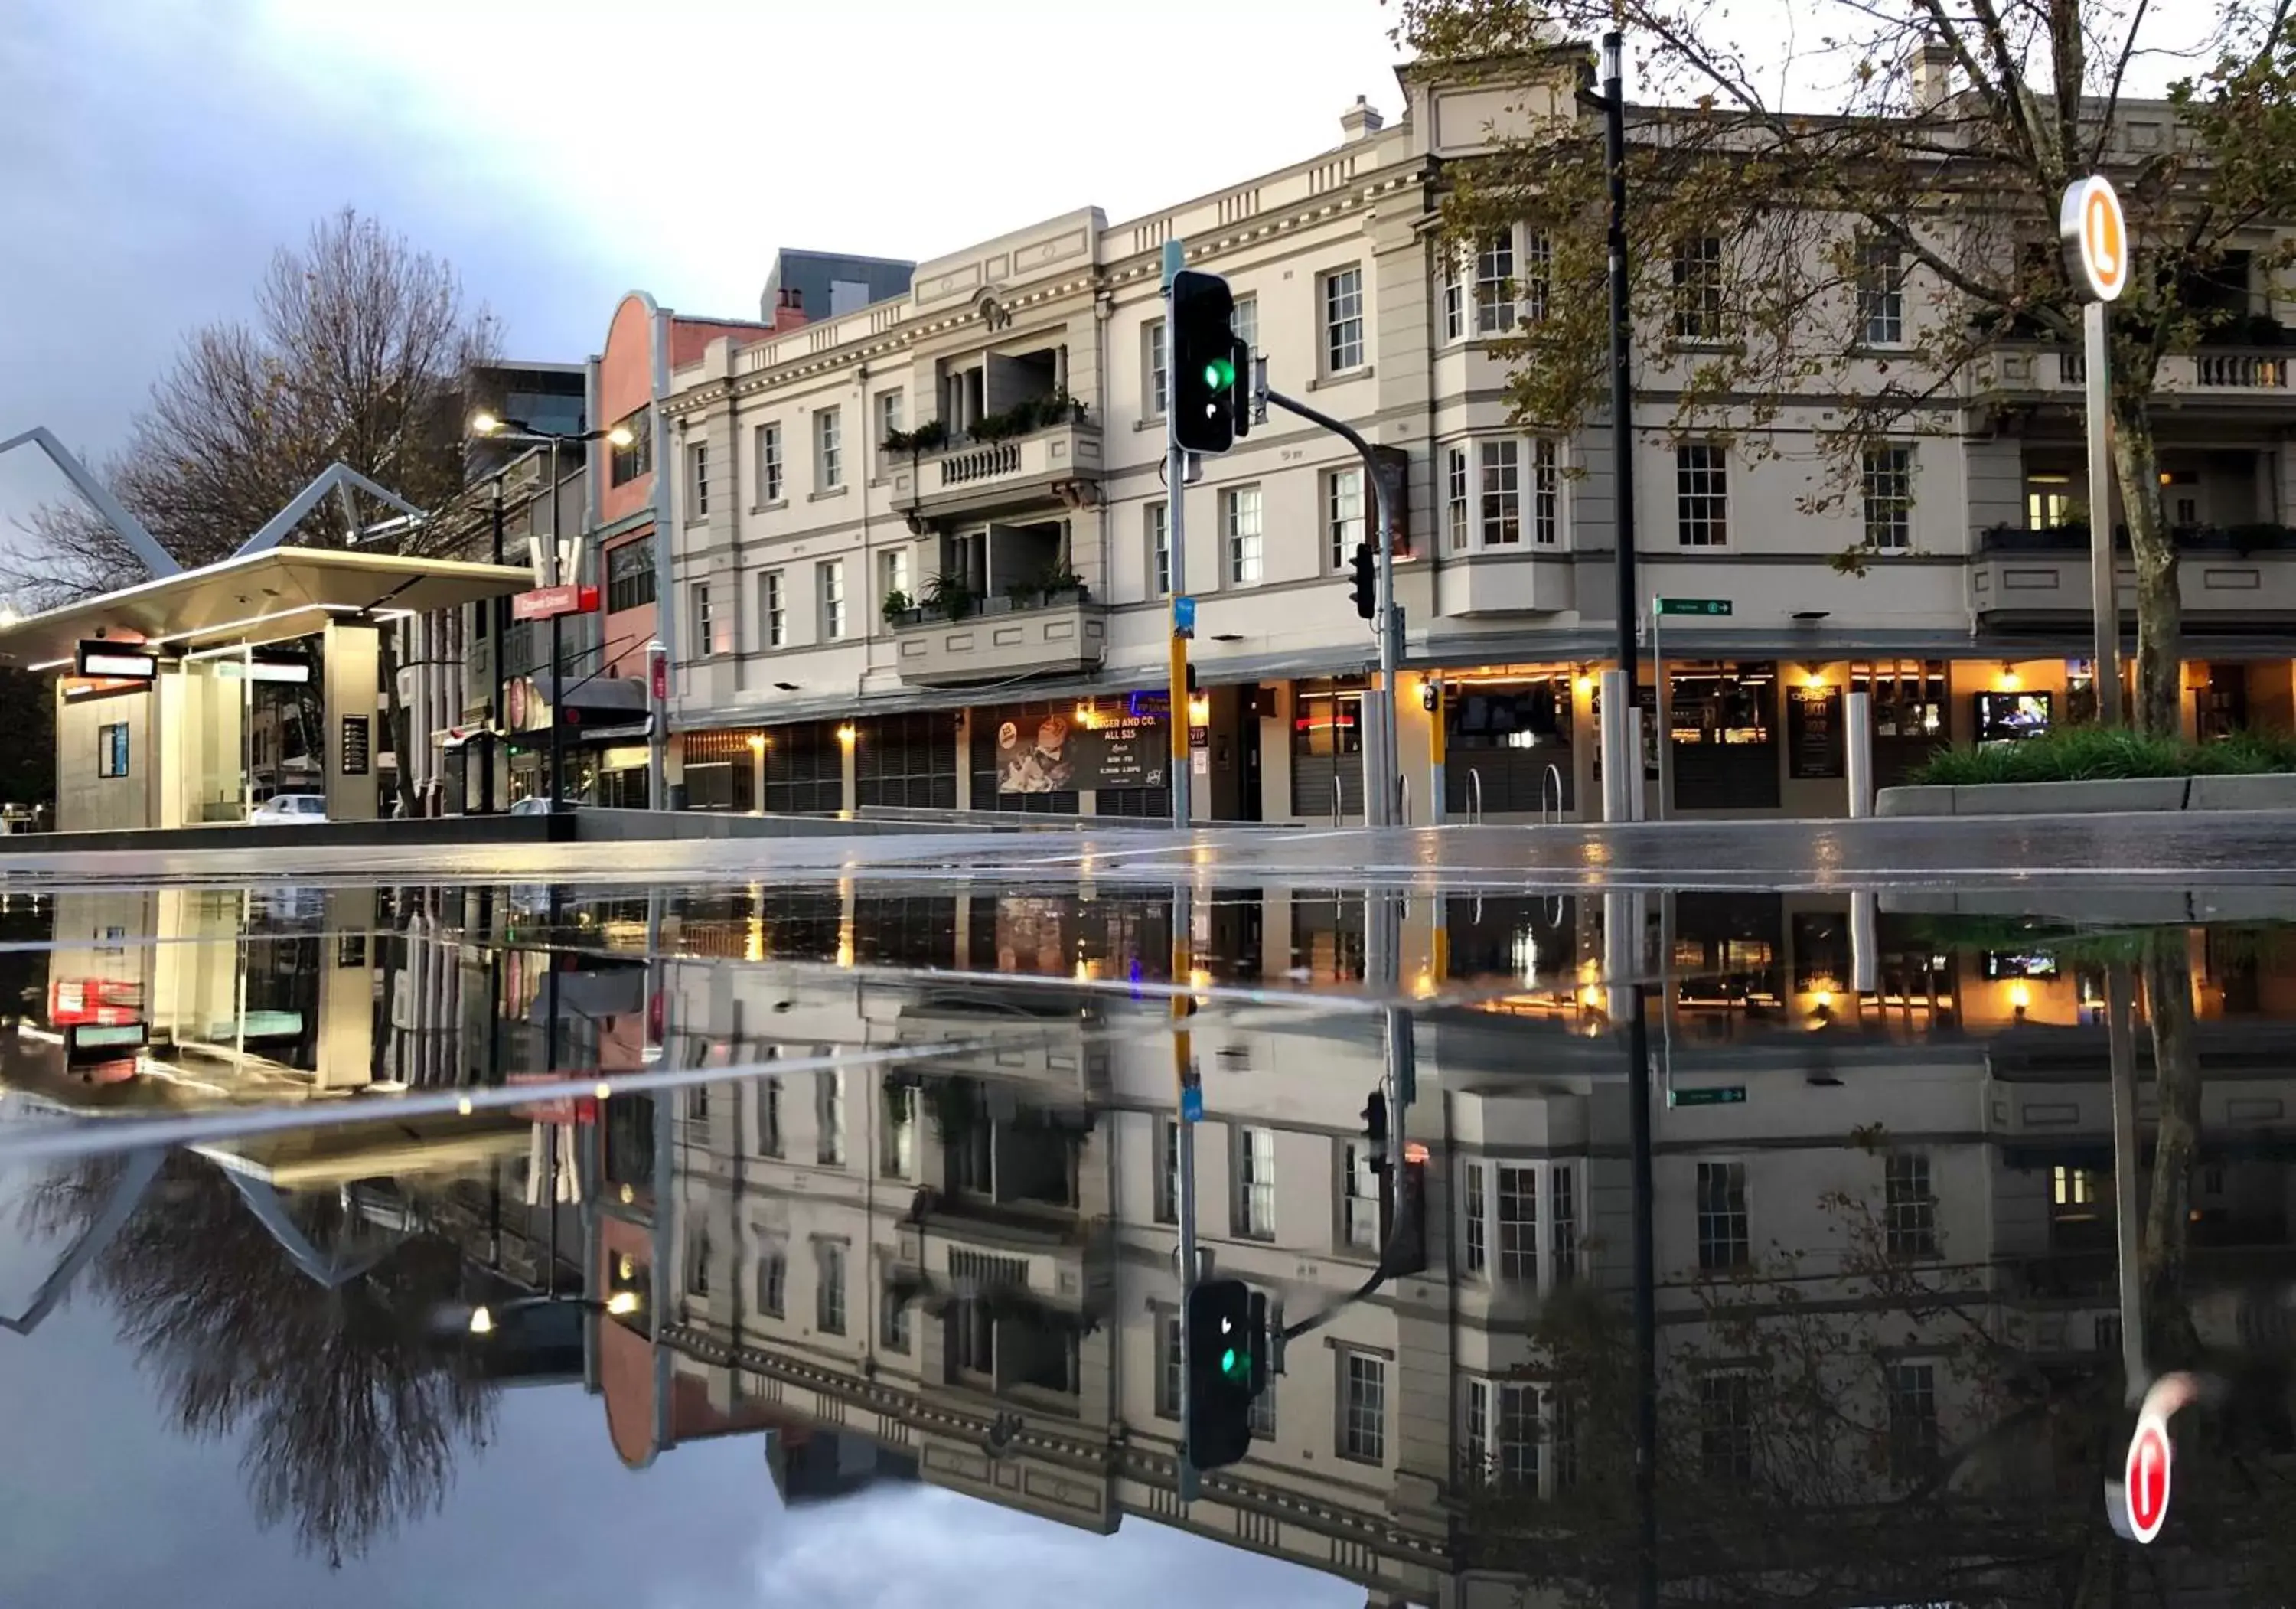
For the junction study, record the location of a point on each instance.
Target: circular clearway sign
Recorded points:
(2145, 1477)
(2096, 237)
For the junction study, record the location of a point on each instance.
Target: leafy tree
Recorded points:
(1866, 148)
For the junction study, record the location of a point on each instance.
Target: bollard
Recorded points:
(1622, 769)
(1858, 708)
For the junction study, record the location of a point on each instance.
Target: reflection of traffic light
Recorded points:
(1210, 367)
(1403, 1215)
(1227, 1369)
(1365, 591)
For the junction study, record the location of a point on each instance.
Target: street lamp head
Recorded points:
(483, 423)
(483, 1322)
(1613, 54)
(622, 435)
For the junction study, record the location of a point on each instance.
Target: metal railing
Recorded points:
(1555, 776)
(1474, 797)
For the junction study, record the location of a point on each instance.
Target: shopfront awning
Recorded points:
(271, 597)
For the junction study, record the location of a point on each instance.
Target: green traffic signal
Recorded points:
(1231, 1362)
(1219, 373)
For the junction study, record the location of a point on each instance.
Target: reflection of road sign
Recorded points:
(1192, 1103)
(2145, 1478)
(2094, 234)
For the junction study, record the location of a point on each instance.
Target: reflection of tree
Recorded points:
(1786, 1477)
(351, 1419)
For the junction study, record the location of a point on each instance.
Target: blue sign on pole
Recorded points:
(1184, 614)
(1192, 1103)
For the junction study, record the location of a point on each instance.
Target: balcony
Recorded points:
(2236, 376)
(1049, 462)
(1000, 639)
(2041, 577)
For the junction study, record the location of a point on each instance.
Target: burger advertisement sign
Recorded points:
(1054, 752)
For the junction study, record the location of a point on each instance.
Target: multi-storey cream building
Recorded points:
(988, 449)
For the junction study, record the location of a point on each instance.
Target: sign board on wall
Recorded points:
(358, 744)
(1814, 750)
(1052, 753)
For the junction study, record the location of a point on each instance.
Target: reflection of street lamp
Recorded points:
(484, 1320)
(493, 427)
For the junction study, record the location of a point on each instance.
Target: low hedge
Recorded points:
(2100, 754)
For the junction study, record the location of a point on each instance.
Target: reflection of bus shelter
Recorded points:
(172, 751)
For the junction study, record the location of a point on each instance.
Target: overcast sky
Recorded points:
(560, 154)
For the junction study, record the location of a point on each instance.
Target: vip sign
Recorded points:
(2094, 234)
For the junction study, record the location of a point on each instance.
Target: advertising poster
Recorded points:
(1054, 752)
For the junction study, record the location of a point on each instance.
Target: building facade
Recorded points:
(920, 551)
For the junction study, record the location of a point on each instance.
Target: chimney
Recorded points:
(1929, 65)
(1360, 121)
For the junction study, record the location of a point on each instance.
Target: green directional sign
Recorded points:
(1712, 606)
(1712, 1094)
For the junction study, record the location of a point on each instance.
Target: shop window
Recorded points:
(721, 769)
(1909, 709)
(908, 760)
(1505, 738)
(1724, 736)
(1327, 752)
(804, 769)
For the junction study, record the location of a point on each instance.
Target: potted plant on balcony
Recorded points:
(930, 437)
(1022, 594)
(1061, 581)
(950, 596)
(897, 604)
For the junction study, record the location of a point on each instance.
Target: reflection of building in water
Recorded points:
(966, 1261)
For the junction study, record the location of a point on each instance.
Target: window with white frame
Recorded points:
(893, 1320)
(1259, 1419)
(1160, 550)
(705, 635)
(1169, 1362)
(1502, 1433)
(773, 609)
(1537, 277)
(697, 1261)
(1723, 1238)
(897, 1141)
(1888, 498)
(829, 581)
(893, 575)
(829, 1287)
(1913, 1420)
(1343, 320)
(1495, 283)
(1168, 1171)
(773, 1278)
(1698, 288)
(1359, 1199)
(829, 1118)
(1152, 369)
(769, 1116)
(1517, 1200)
(1507, 278)
(889, 421)
(1501, 492)
(1726, 1426)
(1562, 1222)
(697, 480)
(769, 463)
(1343, 513)
(1909, 1207)
(1240, 519)
(1255, 1183)
(829, 449)
(1702, 495)
(1881, 293)
(1474, 1251)
(1458, 501)
(1244, 322)
(1363, 1406)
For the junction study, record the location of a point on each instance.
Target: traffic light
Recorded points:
(1403, 1215)
(1211, 369)
(1227, 1369)
(1365, 591)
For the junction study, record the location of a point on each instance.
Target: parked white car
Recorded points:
(285, 810)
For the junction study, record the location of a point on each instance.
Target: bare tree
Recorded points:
(357, 353)
(1917, 149)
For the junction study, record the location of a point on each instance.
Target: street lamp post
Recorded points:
(493, 427)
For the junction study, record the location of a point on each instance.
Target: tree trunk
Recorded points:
(2158, 711)
(2168, 1341)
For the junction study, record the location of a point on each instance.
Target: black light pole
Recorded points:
(1622, 397)
(497, 624)
(1629, 608)
(557, 677)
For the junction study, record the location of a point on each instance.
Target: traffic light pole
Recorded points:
(1185, 1158)
(1380, 750)
(1176, 542)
